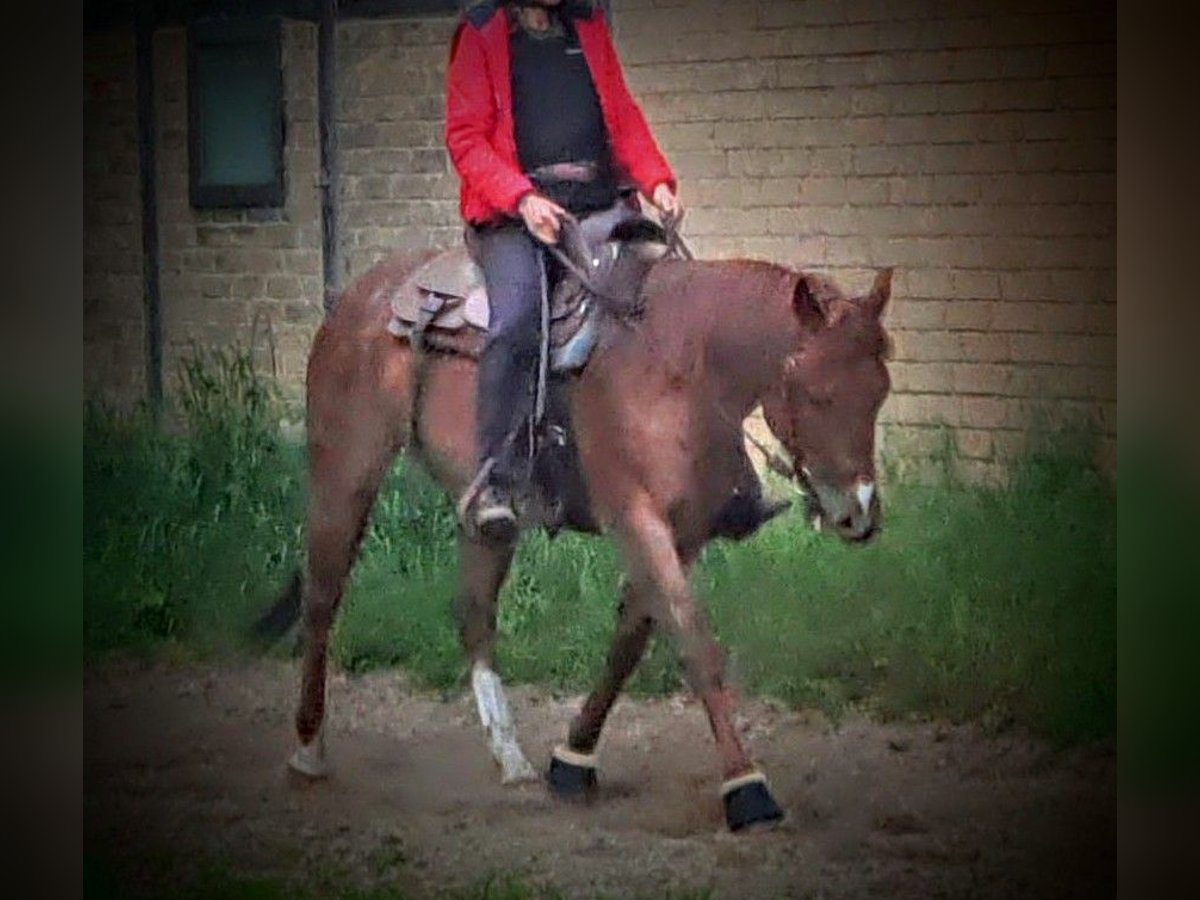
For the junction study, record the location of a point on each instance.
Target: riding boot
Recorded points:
(515, 276)
(502, 411)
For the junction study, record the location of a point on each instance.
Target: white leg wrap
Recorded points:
(309, 759)
(497, 722)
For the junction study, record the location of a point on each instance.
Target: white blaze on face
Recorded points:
(865, 492)
(497, 722)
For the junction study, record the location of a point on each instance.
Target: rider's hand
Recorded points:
(542, 217)
(668, 204)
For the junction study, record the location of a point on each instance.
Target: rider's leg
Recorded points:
(512, 268)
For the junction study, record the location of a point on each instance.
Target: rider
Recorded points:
(539, 122)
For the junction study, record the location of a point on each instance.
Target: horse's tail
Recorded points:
(275, 622)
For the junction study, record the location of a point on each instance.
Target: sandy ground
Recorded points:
(185, 765)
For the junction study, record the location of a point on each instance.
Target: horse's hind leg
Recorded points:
(572, 770)
(348, 457)
(482, 568)
(634, 627)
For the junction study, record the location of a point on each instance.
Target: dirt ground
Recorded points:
(186, 764)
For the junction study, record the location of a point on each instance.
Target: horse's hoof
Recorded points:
(309, 761)
(572, 775)
(748, 803)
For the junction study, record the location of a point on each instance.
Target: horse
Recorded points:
(657, 416)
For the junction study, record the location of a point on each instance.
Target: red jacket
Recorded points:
(479, 116)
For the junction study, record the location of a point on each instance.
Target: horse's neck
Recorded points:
(739, 314)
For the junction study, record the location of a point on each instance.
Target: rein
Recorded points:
(775, 462)
(676, 245)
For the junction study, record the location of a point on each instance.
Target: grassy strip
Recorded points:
(975, 601)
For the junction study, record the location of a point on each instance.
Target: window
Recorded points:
(235, 113)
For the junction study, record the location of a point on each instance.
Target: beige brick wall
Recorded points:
(972, 145)
(250, 276)
(398, 187)
(247, 276)
(113, 360)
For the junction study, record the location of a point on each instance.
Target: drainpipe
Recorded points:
(148, 171)
(327, 126)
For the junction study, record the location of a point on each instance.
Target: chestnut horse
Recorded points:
(657, 415)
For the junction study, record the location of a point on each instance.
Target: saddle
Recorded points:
(443, 305)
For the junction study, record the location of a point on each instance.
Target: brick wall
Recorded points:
(247, 276)
(970, 144)
(113, 360)
(250, 276)
(398, 187)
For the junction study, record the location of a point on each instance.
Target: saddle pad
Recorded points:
(452, 276)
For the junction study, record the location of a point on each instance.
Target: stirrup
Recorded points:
(472, 491)
(495, 522)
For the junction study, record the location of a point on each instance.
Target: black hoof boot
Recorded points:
(748, 803)
(572, 775)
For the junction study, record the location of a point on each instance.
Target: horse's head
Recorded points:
(824, 405)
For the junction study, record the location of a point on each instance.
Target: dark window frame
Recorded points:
(265, 31)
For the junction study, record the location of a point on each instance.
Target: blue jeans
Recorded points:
(513, 265)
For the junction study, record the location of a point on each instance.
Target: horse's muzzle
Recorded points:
(854, 515)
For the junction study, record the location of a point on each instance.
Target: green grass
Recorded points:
(997, 603)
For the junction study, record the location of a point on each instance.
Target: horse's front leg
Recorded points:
(573, 768)
(482, 568)
(649, 546)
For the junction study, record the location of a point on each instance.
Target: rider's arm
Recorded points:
(470, 120)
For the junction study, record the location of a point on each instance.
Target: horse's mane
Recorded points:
(739, 311)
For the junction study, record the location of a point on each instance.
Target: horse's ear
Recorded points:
(881, 292)
(807, 304)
